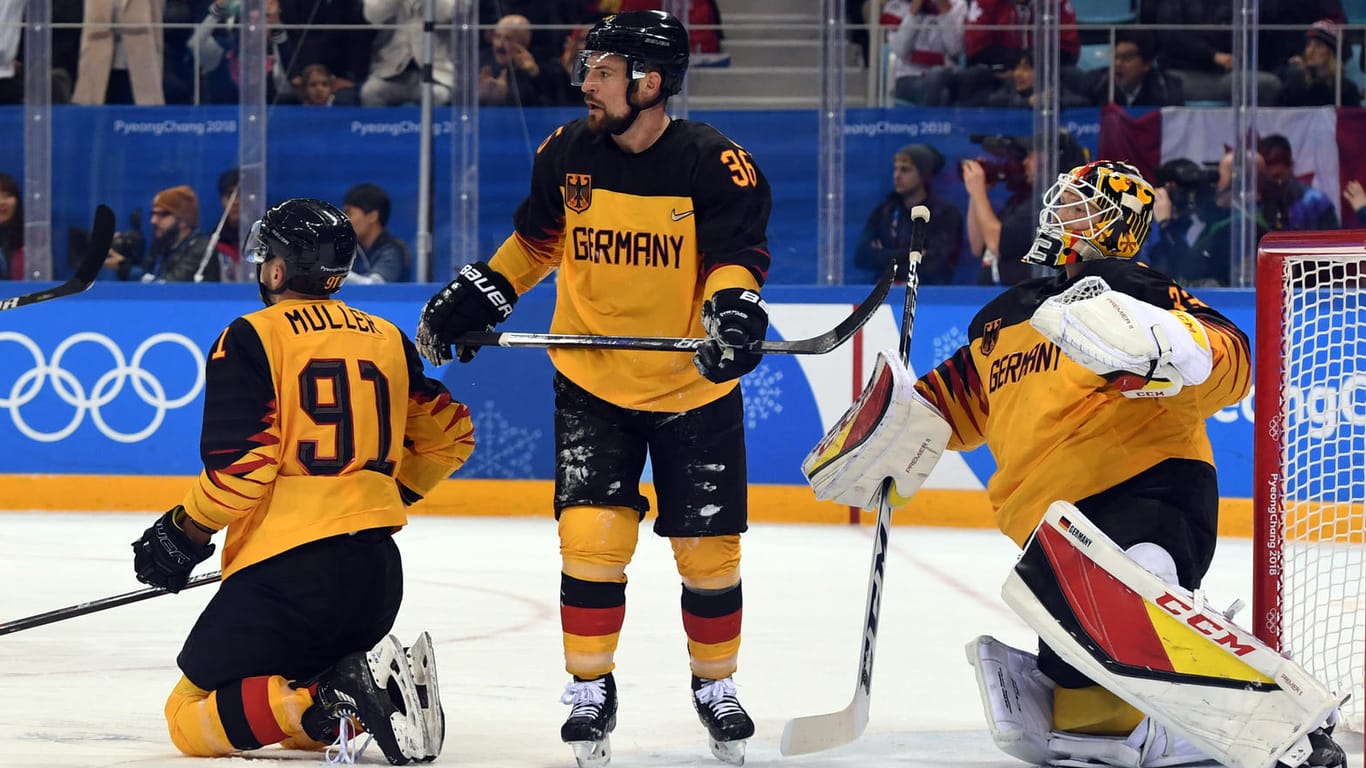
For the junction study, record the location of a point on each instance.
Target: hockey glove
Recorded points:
(732, 318)
(476, 300)
(165, 554)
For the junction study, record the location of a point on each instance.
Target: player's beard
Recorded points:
(602, 123)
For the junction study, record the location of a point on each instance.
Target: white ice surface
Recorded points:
(89, 691)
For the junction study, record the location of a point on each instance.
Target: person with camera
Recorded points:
(888, 231)
(178, 248)
(1191, 244)
(1001, 239)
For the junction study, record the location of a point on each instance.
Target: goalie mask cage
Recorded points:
(1309, 459)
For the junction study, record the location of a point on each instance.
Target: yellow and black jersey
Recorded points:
(640, 240)
(1059, 431)
(318, 421)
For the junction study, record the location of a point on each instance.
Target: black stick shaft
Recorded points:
(105, 603)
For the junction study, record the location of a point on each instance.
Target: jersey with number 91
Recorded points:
(318, 421)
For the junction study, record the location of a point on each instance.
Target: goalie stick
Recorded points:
(816, 345)
(94, 606)
(101, 238)
(814, 733)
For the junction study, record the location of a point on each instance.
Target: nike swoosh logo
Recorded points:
(679, 216)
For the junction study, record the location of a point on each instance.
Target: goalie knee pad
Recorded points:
(1160, 648)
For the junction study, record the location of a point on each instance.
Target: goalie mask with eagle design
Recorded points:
(1101, 210)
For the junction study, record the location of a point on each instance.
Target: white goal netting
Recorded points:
(1311, 468)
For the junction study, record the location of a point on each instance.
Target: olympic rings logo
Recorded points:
(107, 387)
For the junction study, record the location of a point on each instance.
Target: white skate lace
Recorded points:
(719, 695)
(586, 696)
(342, 751)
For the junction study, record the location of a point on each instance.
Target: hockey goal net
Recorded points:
(1309, 460)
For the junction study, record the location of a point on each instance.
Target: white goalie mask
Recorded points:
(1100, 210)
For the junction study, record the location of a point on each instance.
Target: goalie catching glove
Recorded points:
(1143, 349)
(890, 431)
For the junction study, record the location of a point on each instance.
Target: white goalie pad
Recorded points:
(1161, 649)
(1109, 332)
(1018, 702)
(890, 431)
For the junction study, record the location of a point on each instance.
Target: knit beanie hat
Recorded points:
(181, 202)
(927, 160)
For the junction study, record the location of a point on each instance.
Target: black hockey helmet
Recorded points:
(315, 240)
(645, 39)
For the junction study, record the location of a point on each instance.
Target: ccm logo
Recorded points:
(1204, 624)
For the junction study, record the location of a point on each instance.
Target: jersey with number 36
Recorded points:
(318, 421)
(635, 238)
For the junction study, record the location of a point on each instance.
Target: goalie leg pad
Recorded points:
(1160, 648)
(1017, 698)
(890, 431)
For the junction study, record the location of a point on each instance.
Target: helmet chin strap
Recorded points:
(635, 111)
(266, 293)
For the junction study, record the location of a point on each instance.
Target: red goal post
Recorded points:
(1309, 455)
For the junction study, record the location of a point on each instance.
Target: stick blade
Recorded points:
(817, 733)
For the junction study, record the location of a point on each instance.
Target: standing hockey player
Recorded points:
(658, 228)
(1091, 388)
(319, 429)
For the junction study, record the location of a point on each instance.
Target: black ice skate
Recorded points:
(727, 723)
(377, 689)
(591, 720)
(1320, 752)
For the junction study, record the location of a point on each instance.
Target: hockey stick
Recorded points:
(94, 606)
(816, 345)
(101, 237)
(814, 733)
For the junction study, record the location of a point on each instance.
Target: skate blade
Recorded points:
(422, 663)
(732, 752)
(592, 754)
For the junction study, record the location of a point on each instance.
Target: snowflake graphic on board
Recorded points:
(948, 342)
(763, 394)
(501, 450)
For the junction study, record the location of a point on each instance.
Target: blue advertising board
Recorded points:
(110, 382)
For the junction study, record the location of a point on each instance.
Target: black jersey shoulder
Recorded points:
(667, 168)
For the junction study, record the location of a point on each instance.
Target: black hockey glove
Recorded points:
(476, 300)
(165, 555)
(732, 318)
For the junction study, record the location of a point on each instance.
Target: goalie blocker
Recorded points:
(890, 431)
(1161, 649)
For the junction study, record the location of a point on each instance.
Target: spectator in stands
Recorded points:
(179, 253)
(1317, 78)
(1279, 21)
(65, 50)
(381, 257)
(1017, 89)
(319, 86)
(215, 40)
(1190, 230)
(548, 18)
(121, 53)
(11, 80)
(1001, 240)
(1202, 58)
(888, 231)
(1356, 198)
(224, 238)
(325, 39)
(927, 39)
(396, 57)
(510, 74)
(1287, 202)
(1138, 81)
(996, 32)
(11, 229)
(557, 70)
